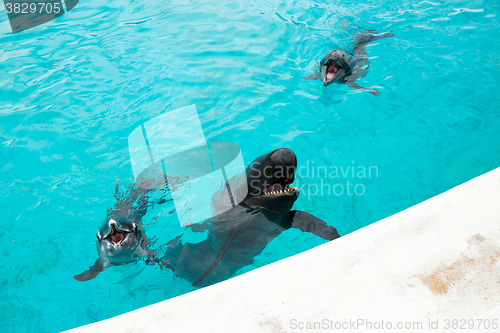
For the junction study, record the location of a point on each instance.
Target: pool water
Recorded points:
(73, 89)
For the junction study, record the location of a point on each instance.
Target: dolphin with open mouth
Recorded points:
(341, 66)
(121, 238)
(235, 237)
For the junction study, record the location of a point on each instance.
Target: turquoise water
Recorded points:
(72, 90)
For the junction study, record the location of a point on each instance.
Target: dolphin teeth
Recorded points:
(121, 240)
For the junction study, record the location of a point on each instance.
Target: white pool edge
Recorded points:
(432, 263)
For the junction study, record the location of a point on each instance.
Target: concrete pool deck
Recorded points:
(419, 269)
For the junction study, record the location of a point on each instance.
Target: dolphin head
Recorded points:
(118, 239)
(336, 65)
(269, 178)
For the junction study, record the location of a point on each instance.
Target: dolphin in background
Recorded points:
(341, 66)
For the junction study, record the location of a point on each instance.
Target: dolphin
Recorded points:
(341, 66)
(235, 237)
(121, 238)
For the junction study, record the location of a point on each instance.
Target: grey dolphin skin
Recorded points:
(121, 238)
(236, 236)
(340, 66)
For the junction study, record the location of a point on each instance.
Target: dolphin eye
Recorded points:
(98, 235)
(134, 226)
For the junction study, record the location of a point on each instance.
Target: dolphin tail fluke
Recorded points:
(368, 38)
(364, 38)
(218, 257)
(92, 272)
(308, 223)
